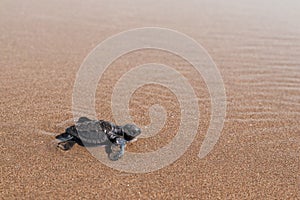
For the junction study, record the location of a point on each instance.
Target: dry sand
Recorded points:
(256, 46)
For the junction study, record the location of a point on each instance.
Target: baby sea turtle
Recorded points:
(99, 132)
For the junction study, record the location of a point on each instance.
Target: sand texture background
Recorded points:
(256, 46)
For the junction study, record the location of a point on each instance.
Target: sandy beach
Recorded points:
(256, 47)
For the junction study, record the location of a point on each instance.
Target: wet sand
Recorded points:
(256, 46)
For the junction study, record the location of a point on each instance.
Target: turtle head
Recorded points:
(131, 131)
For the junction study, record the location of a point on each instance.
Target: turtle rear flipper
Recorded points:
(66, 145)
(65, 141)
(64, 137)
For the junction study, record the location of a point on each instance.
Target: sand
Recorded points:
(256, 46)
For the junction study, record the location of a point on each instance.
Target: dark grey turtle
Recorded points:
(99, 132)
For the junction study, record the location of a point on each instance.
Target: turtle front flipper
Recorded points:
(117, 150)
